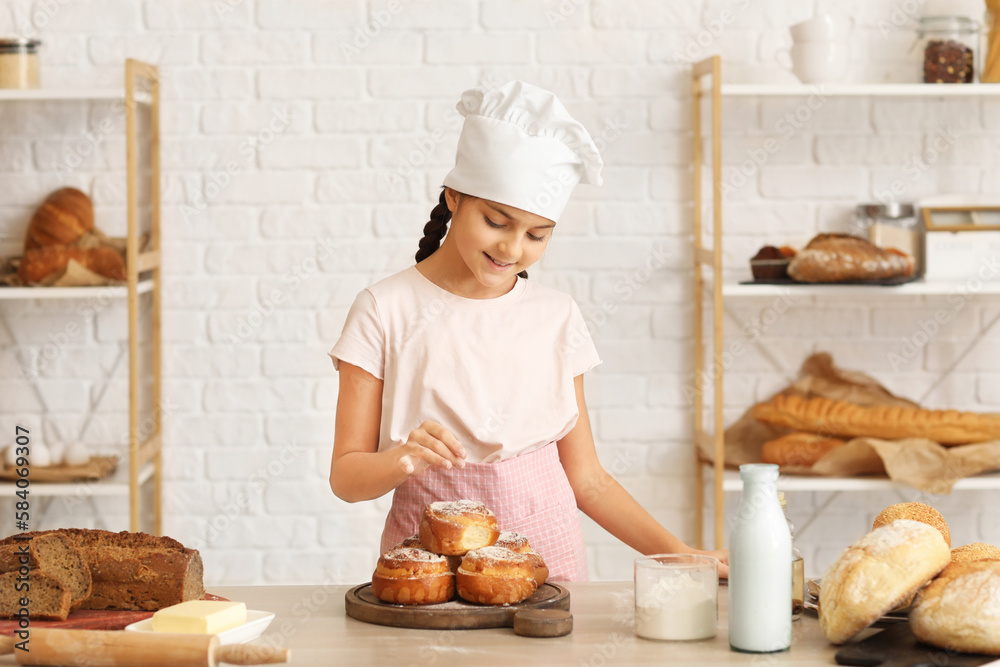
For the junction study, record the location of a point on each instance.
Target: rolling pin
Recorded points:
(102, 648)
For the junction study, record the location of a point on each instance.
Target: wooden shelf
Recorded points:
(731, 483)
(916, 288)
(855, 89)
(56, 94)
(115, 485)
(103, 292)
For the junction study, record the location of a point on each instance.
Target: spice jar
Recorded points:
(895, 225)
(19, 62)
(949, 47)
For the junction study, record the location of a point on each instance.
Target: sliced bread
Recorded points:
(48, 598)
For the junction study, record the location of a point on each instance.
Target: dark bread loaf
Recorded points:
(52, 555)
(49, 599)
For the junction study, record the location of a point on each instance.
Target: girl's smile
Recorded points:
(498, 266)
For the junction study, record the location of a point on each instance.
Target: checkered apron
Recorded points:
(529, 495)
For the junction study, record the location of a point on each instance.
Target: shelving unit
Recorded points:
(707, 84)
(145, 462)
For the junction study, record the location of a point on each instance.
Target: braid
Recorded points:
(434, 230)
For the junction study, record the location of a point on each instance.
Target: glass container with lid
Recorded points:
(895, 225)
(19, 62)
(948, 45)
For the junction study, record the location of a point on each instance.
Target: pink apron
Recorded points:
(529, 495)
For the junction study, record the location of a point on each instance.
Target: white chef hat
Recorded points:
(519, 146)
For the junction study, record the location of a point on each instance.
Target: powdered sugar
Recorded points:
(511, 540)
(492, 556)
(460, 507)
(413, 554)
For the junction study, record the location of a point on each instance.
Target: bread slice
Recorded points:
(51, 554)
(49, 599)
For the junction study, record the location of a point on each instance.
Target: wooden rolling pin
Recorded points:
(102, 648)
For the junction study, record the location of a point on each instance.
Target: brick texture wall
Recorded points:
(303, 146)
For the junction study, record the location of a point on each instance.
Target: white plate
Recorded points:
(257, 622)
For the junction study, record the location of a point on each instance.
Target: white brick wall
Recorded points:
(337, 117)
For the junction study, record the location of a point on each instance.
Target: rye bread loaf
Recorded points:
(49, 598)
(55, 556)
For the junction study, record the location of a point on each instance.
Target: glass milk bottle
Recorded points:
(760, 566)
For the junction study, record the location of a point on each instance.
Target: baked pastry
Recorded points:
(457, 527)
(798, 449)
(832, 258)
(409, 575)
(890, 422)
(50, 600)
(518, 543)
(916, 512)
(38, 263)
(876, 574)
(54, 556)
(496, 576)
(974, 552)
(64, 216)
(413, 542)
(770, 263)
(960, 610)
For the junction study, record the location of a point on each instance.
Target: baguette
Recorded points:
(888, 422)
(64, 216)
(832, 258)
(798, 449)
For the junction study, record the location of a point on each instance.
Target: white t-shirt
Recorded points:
(498, 373)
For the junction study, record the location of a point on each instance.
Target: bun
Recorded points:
(831, 258)
(876, 574)
(915, 512)
(960, 610)
(798, 449)
(64, 216)
(890, 422)
(456, 528)
(407, 575)
(975, 552)
(37, 264)
(518, 543)
(496, 576)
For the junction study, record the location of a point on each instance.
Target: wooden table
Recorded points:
(312, 622)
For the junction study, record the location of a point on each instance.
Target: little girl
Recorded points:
(461, 379)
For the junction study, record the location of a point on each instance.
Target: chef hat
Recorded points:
(519, 146)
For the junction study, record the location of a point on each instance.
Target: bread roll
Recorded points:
(407, 575)
(831, 258)
(890, 422)
(916, 512)
(496, 576)
(876, 574)
(518, 543)
(798, 449)
(39, 263)
(960, 610)
(975, 551)
(456, 528)
(64, 216)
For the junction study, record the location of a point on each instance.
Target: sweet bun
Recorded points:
(406, 575)
(518, 543)
(497, 576)
(876, 574)
(457, 527)
(960, 610)
(975, 551)
(798, 449)
(915, 512)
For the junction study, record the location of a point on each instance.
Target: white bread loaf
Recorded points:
(960, 610)
(877, 573)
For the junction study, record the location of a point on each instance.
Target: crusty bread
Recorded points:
(798, 449)
(876, 574)
(831, 258)
(496, 576)
(975, 551)
(409, 575)
(63, 217)
(916, 512)
(457, 527)
(38, 263)
(960, 610)
(55, 556)
(49, 599)
(889, 422)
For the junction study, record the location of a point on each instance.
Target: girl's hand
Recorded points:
(430, 444)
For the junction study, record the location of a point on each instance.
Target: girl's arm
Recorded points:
(358, 470)
(605, 501)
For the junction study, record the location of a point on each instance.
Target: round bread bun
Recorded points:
(405, 575)
(960, 610)
(518, 543)
(413, 541)
(496, 576)
(975, 551)
(455, 528)
(876, 574)
(915, 512)
(798, 449)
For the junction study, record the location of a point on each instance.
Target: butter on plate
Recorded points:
(206, 617)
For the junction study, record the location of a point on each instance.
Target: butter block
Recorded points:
(206, 617)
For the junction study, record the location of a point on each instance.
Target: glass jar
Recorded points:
(948, 45)
(19, 62)
(895, 225)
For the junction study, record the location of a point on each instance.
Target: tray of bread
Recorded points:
(460, 571)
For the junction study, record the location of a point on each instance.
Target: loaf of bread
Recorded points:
(38, 263)
(49, 599)
(64, 216)
(960, 610)
(889, 422)
(876, 574)
(975, 551)
(798, 449)
(54, 556)
(832, 258)
(914, 512)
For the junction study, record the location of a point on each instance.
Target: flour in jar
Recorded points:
(677, 607)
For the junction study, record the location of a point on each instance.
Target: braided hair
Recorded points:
(435, 230)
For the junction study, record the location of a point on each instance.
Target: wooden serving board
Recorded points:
(90, 619)
(897, 647)
(456, 614)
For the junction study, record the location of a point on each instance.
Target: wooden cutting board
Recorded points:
(91, 619)
(454, 615)
(897, 647)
